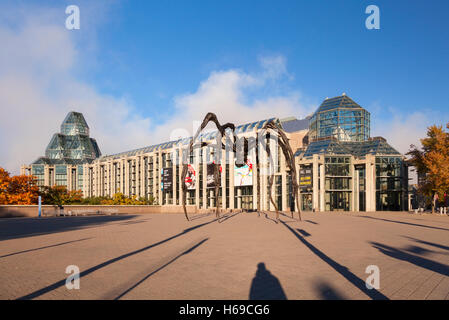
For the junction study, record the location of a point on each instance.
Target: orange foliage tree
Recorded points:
(59, 195)
(432, 162)
(17, 189)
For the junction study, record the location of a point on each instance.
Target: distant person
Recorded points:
(61, 209)
(265, 286)
(446, 200)
(435, 201)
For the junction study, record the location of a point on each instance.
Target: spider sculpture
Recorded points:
(241, 146)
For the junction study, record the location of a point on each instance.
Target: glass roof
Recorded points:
(340, 118)
(342, 101)
(74, 123)
(204, 136)
(73, 145)
(375, 146)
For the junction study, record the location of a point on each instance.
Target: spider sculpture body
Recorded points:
(236, 146)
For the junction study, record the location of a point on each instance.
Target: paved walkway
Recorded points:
(165, 257)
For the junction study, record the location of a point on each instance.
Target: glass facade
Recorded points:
(341, 169)
(360, 175)
(389, 184)
(338, 184)
(67, 151)
(306, 186)
(340, 118)
(37, 170)
(61, 175)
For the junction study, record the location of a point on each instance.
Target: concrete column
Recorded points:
(84, 187)
(263, 185)
(204, 194)
(232, 203)
(298, 169)
(142, 176)
(173, 161)
(197, 172)
(315, 196)
(356, 190)
(46, 176)
(370, 183)
(211, 196)
(255, 167)
(239, 198)
(180, 176)
(353, 181)
(322, 187)
(68, 173)
(284, 189)
(126, 177)
(223, 179)
(161, 194)
(112, 187)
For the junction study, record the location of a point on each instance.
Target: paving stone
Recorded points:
(158, 256)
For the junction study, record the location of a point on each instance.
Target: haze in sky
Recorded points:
(143, 72)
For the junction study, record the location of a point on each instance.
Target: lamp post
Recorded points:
(39, 206)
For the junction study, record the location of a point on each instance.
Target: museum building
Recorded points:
(340, 167)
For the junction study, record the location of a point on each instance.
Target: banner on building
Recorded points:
(243, 176)
(210, 175)
(167, 179)
(305, 178)
(190, 180)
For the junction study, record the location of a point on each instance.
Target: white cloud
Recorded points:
(37, 89)
(225, 93)
(402, 129)
(38, 58)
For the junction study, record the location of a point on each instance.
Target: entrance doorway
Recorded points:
(338, 201)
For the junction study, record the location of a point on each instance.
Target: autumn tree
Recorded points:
(20, 189)
(59, 195)
(4, 183)
(432, 162)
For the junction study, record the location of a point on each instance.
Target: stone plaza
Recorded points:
(245, 256)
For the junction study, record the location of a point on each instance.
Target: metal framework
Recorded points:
(247, 144)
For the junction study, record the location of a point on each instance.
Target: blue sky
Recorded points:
(150, 60)
(169, 49)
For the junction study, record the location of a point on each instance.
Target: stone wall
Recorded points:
(50, 210)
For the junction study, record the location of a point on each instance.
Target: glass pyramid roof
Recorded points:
(342, 101)
(72, 145)
(375, 146)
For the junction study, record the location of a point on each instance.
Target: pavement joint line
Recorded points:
(60, 283)
(123, 289)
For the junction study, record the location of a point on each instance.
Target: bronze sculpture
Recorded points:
(246, 144)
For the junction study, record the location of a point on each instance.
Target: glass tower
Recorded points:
(340, 118)
(72, 145)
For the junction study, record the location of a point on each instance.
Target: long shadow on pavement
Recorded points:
(45, 247)
(61, 283)
(267, 217)
(348, 275)
(161, 267)
(406, 223)
(227, 216)
(418, 261)
(265, 286)
(428, 243)
(28, 227)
